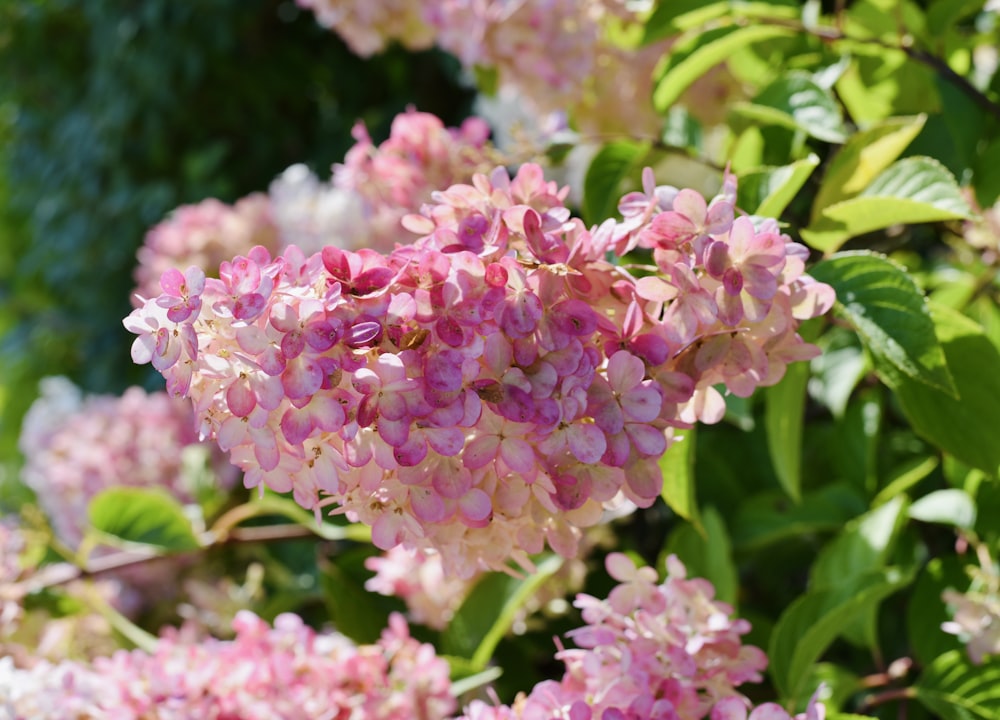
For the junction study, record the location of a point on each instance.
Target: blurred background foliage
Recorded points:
(112, 113)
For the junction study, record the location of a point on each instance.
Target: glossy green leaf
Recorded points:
(913, 190)
(964, 427)
(891, 317)
(955, 689)
(707, 554)
(767, 191)
(795, 101)
(149, 516)
(693, 58)
(783, 418)
(612, 164)
(865, 154)
(677, 465)
(489, 610)
(949, 507)
(809, 625)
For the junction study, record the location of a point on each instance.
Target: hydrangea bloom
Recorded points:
(285, 672)
(557, 54)
(650, 651)
(203, 235)
(76, 446)
(12, 545)
(396, 177)
(488, 387)
(311, 213)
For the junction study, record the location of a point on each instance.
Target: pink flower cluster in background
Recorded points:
(77, 445)
(287, 672)
(556, 54)
(666, 651)
(203, 235)
(487, 388)
(360, 206)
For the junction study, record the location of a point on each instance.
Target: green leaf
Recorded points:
(809, 625)
(795, 101)
(768, 517)
(846, 563)
(784, 420)
(674, 16)
(489, 611)
(904, 477)
(149, 516)
(677, 465)
(926, 609)
(767, 191)
(690, 60)
(955, 689)
(355, 612)
(865, 154)
(890, 314)
(707, 554)
(964, 427)
(913, 190)
(948, 507)
(612, 164)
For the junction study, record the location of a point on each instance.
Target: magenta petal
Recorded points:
(642, 404)
(586, 442)
(302, 377)
(447, 441)
(172, 282)
(625, 371)
(240, 398)
(427, 505)
(394, 432)
(645, 478)
(387, 531)
(327, 413)
(481, 451)
(649, 441)
(452, 484)
(249, 306)
(411, 452)
(476, 506)
(265, 448)
(518, 455)
(296, 425)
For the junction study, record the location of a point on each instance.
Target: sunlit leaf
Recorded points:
(613, 163)
(149, 516)
(891, 317)
(767, 191)
(707, 554)
(783, 417)
(949, 507)
(795, 101)
(913, 190)
(694, 58)
(955, 689)
(865, 154)
(677, 464)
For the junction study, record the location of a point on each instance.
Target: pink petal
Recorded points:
(427, 505)
(517, 454)
(240, 398)
(302, 377)
(476, 507)
(172, 282)
(625, 371)
(481, 451)
(586, 442)
(648, 440)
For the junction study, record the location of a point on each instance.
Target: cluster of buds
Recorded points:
(282, 673)
(488, 387)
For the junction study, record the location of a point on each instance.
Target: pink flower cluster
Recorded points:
(77, 445)
(417, 577)
(650, 651)
(360, 206)
(397, 177)
(286, 672)
(12, 545)
(202, 235)
(557, 54)
(487, 388)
